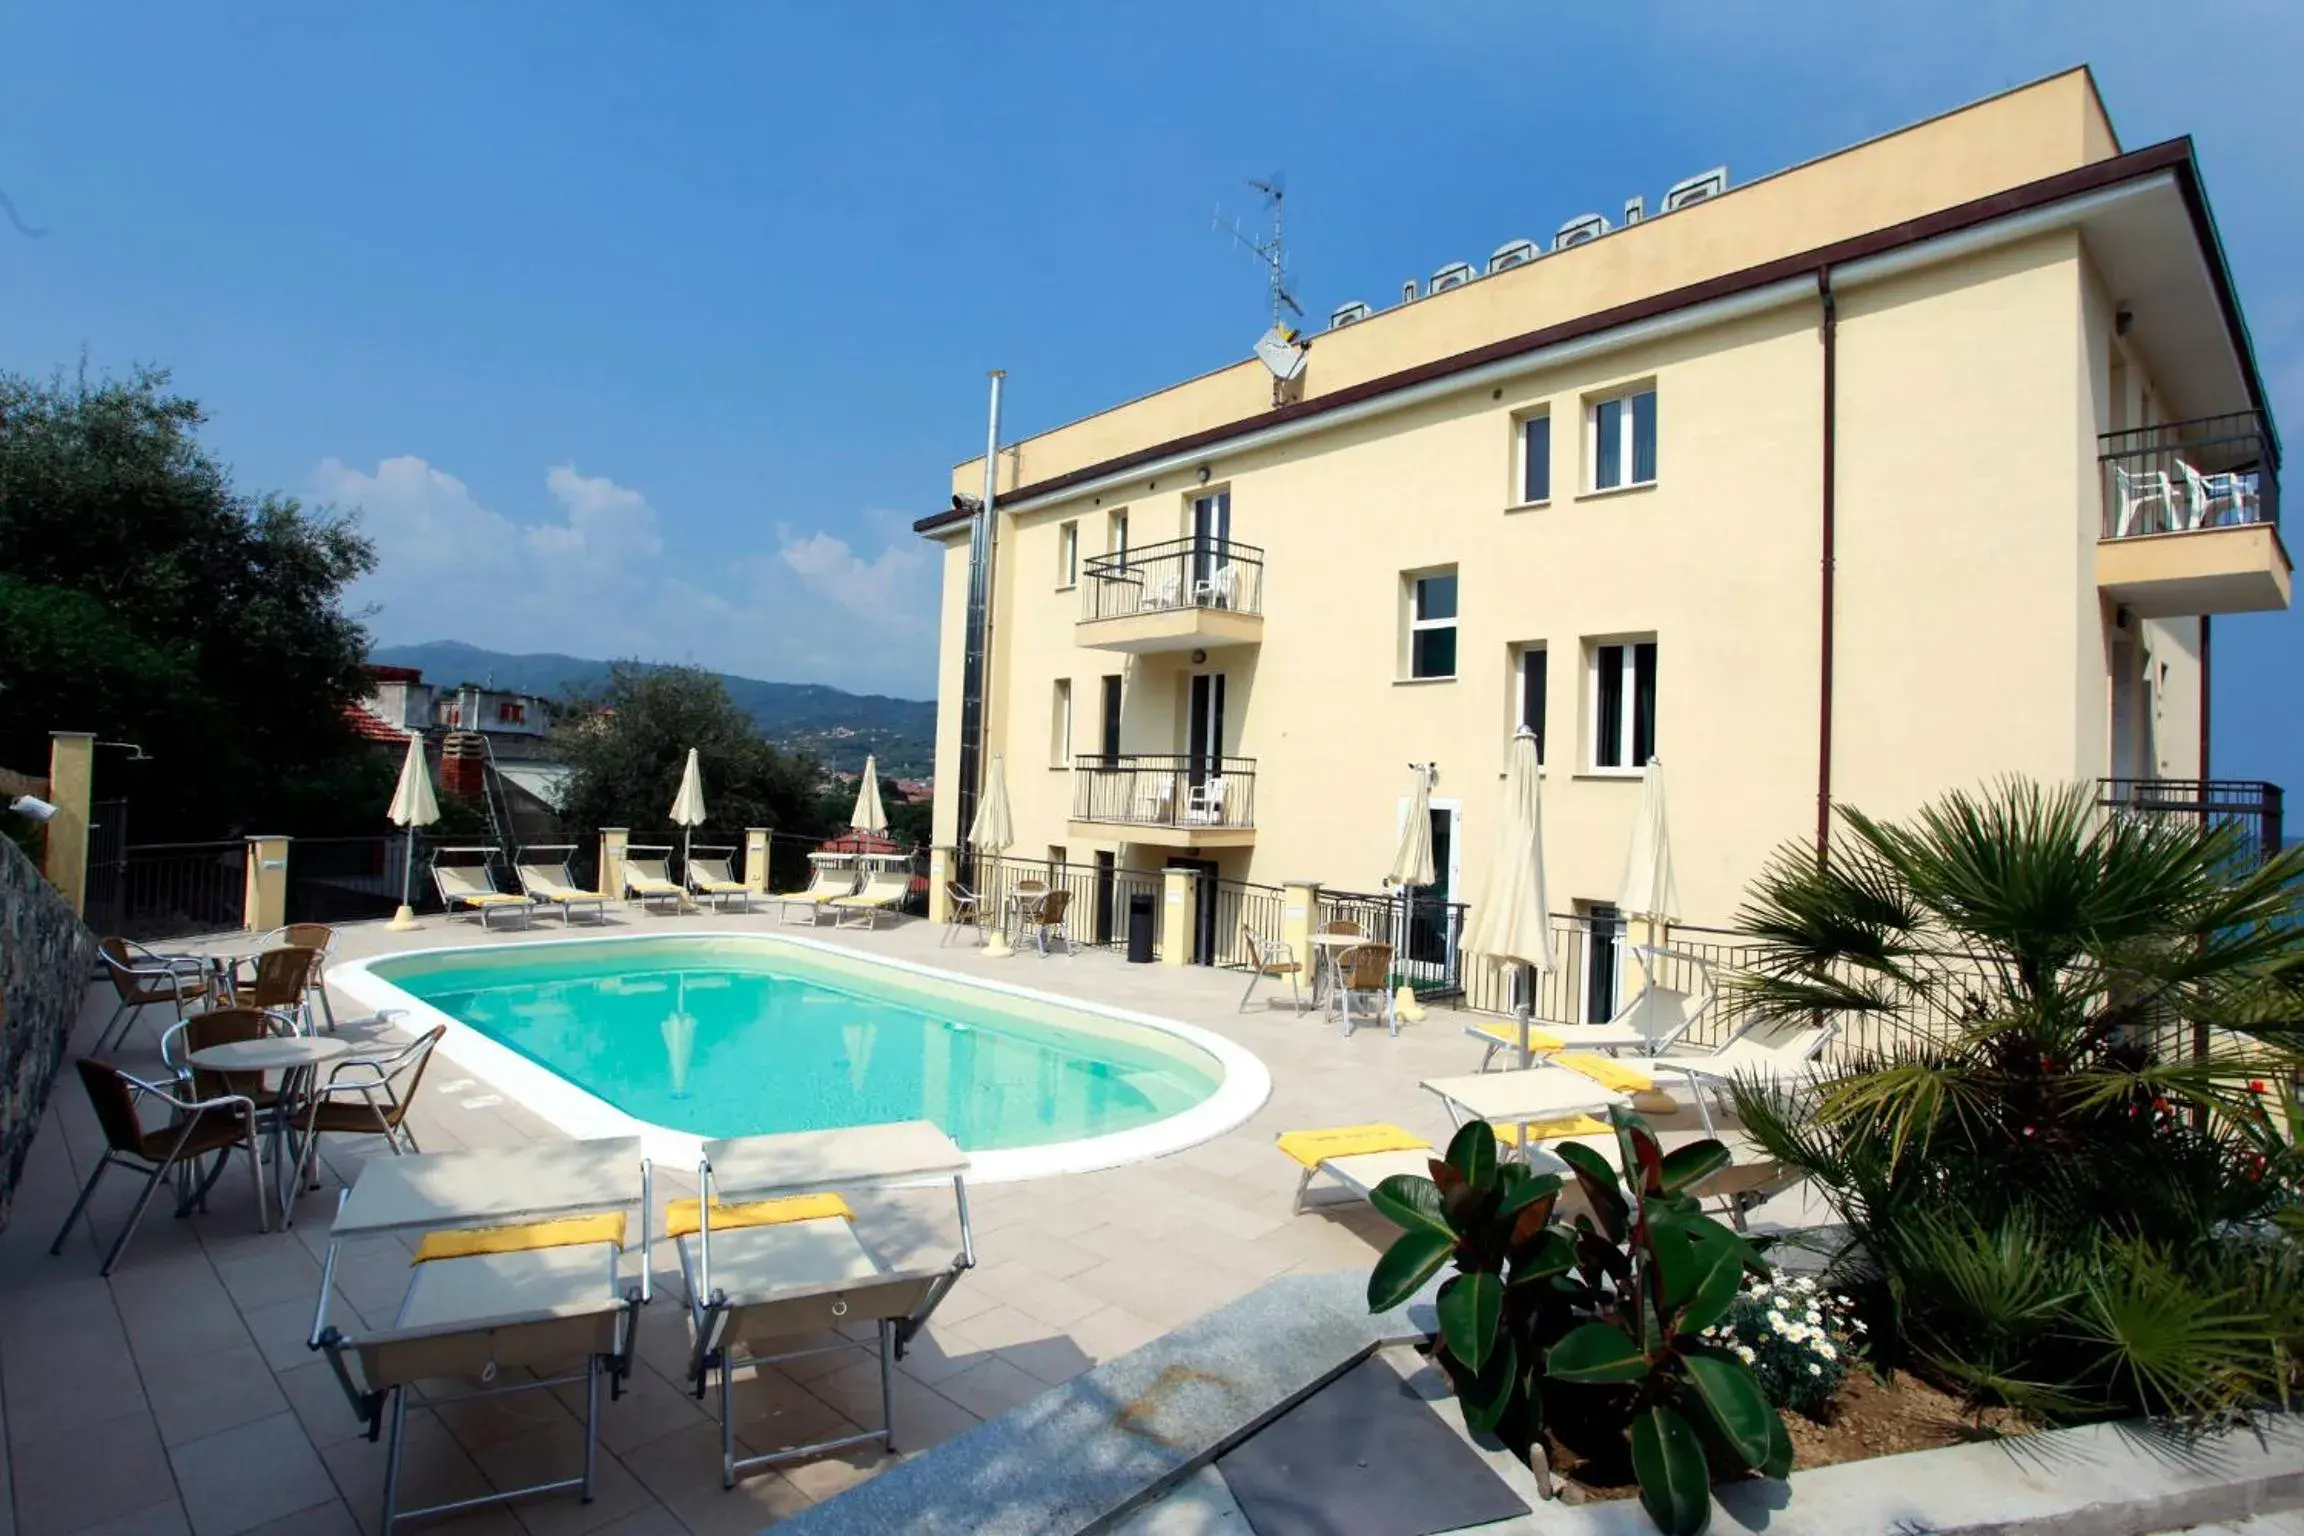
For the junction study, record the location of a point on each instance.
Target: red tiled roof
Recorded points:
(859, 842)
(368, 728)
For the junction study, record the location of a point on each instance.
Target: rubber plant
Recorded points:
(1593, 1326)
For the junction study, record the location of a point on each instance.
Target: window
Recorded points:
(509, 713)
(1067, 554)
(1528, 685)
(1116, 536)
(1110, 744)
(1535, 459)
(1622, 447)
(1432, 624)
(1623, 705)
(1060, 724)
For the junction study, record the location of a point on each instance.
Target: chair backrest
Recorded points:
(283, 976)
(118, 963)
(317, 936)
(1344, 925)
(649, 869)
(223, 1026)
(112, 1094)
(1050, 912)
(457, 880)
(710, 871)
(1366, 967)
(1663, 1014)
(544, 879)
(398, 1075)
(958, 894)
(826, 877)
(1263, 953)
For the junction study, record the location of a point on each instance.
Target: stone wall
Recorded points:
(45, 959)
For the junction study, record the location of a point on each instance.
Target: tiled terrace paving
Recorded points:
(179, 1395)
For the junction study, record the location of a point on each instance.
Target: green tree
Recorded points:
(628, 746)
(2074, 1209)
(148, 600)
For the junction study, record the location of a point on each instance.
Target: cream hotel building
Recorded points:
(1925, 462)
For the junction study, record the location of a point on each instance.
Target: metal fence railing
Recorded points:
(352, 879)
(1426, 934)
(1178, 574)
(1096, 916)
(2182, 476)
(1164, 790)
(2254, 805)
(1243, 908)
(169, 890)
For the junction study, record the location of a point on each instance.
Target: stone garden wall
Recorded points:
(46, 956)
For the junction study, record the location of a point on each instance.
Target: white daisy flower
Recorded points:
(1815, 1369)
(1744, 1353)
(1827, 1351)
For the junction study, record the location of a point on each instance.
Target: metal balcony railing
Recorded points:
(1165, 790)
(1182, 573)
(2252, 804)
(2183, 476)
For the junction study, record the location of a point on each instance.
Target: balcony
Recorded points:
(2253, 806)
(1173, 800)
(2192, 518)
(1184, 595)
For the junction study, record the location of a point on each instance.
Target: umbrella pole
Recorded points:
(1527, 1007)
(405, 919)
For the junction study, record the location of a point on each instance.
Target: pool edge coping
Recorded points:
(1244, 1088)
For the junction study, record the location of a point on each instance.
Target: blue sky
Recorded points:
(647, 329)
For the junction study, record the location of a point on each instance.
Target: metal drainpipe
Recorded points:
(1831, 327)
(976, 662)
(2207, 680)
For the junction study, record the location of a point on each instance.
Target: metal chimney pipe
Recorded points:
(976, 663)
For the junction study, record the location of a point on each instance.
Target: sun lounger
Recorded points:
(470, 885)
(1360, 1157)
(769, 1250)
(830, 877)
(712, 879)
(1524, 1099)
(1782, 1056)
(522, 1268)
(885, 887)
(547, 881)
(1654, 1018)
(648, 877)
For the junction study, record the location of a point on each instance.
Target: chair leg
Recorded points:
(1295, 992)
(591, 1425)
(727, 1423)
(392, 1452)
(86, 1190)
(1255, 974)
(887, 1386)
(135, 1215)
(106, 1032)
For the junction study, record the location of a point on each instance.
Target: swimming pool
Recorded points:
(687, 1037)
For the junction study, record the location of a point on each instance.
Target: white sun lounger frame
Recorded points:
(433, 1336)
(906, 1153)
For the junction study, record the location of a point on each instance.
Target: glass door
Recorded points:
(1211, 536)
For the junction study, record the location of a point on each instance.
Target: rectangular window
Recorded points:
(1067, 554)
(1623, 705)
(1529, 683)
(1432, 624)
(1110, 745)
(1536, 459)
(1116, 536)
(1060, 724)
(1621, 433)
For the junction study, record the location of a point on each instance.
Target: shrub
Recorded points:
(1799, 1339)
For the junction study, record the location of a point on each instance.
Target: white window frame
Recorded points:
(1060, 724)
(1411, 582)
(1520, 424)
(1067, 555)
(1629, 698)
(1116, 534)
(1624, 438)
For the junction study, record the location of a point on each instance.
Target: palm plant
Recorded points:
(2062, 1146)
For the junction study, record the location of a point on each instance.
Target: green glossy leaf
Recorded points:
(1675, 1486)
(1413, 1258)
(1412, 1204)
(1680, 1264)
(1683, 1166)
(1596, 1352)
(1550, 1254)
(1472, 1152)
(1779, 1462)
(1715, 1293)
(1527, 1190)
(1471, 1307)
(1531, 1223)
(1587, 1163)
(1487, 1396)
(1732, 1395)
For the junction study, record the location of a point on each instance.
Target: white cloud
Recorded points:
(593, 576)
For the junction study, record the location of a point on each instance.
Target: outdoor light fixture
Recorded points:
(32, 807)
(1203, 474)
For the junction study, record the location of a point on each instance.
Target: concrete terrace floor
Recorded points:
(179, 1395)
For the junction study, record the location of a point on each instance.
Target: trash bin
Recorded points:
(1140, 927)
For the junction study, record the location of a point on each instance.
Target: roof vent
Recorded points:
(1454, 275)
(1586, 226)
(1348, 314)
(1512, 253)
(1634, 209)
(1696, 189)
(1408, 291)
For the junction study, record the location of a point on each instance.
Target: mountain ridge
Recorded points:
(838, 726)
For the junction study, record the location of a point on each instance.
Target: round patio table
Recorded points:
(1325, 948)
(296, 1058)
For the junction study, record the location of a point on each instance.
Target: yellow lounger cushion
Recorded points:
(1312, 1148)
(1553, 1130)
(565, 1232)
(721, 887)
(680, 1218)
(491, 899)
(1509, 1034)
(808, 896)
(1607, 1071)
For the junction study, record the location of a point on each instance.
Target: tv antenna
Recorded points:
(1272, 249)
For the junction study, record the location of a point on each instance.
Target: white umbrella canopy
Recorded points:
(868, 816)
(1649, 890)
(680, 1041)
(413, 805)
(688, 806)
(993, 831)
(1412, 862)
(1512, 923)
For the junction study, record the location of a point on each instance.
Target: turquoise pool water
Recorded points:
(729, 1037)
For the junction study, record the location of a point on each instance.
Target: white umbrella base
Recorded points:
(403, 921)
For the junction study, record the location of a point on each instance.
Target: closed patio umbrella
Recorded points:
(1412, 861)
(1512, 924)
(680, 1040)
(992, 834)
(1649, 890)
(413, 806)
(688, 807)
(868, 816)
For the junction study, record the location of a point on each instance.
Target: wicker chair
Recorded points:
(195, 1128)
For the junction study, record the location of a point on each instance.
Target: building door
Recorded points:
(1106, 869)
(1203, 907)
(2133, 754)
(1603, 935)
(1429, 936)
(1211, 534)
(1109, 742)
(1204, 729)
